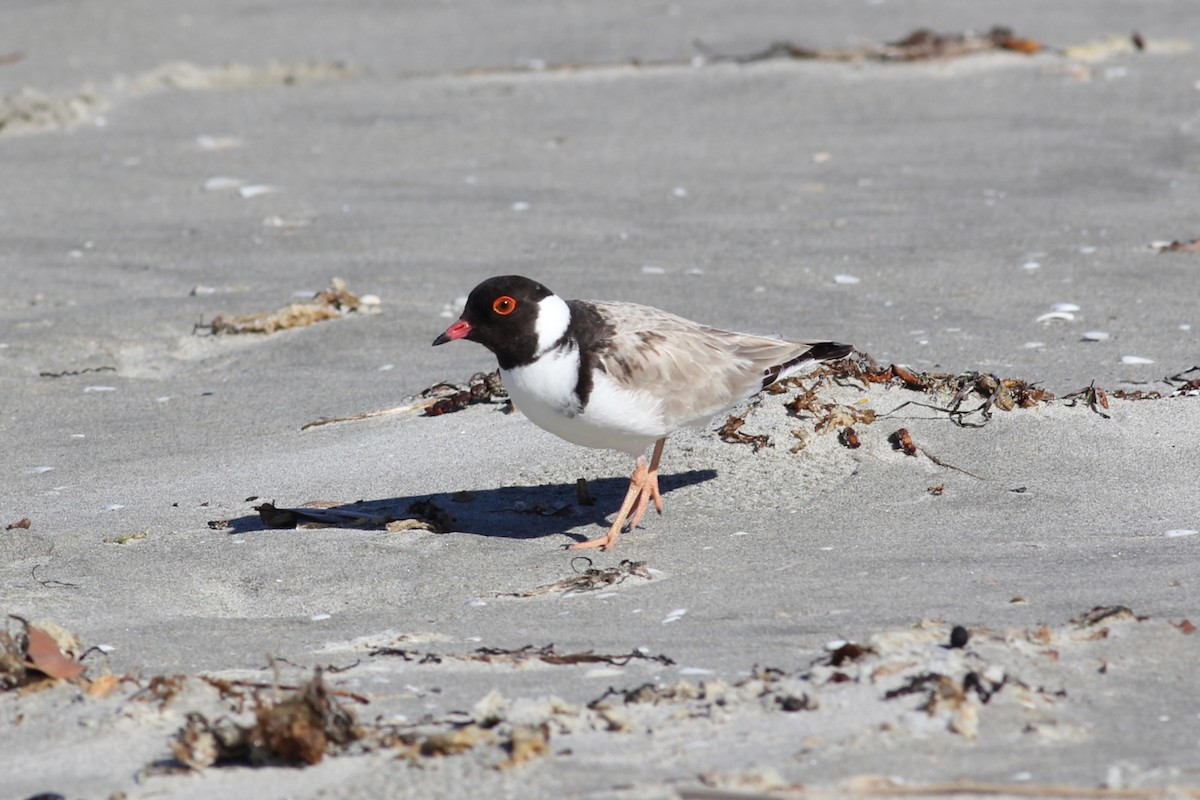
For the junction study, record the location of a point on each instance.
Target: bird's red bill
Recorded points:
(456, 331)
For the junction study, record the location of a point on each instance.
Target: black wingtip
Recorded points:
(829, 351)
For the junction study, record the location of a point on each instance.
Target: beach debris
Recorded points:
(911, 679)
(28, 110)
(1187, 386)
(22, 524)
(332, 303)
(803, 437)
(48, 582)
(920, 45)
(1100, 614)
(936, 491)
(298, 729)
(72, 372)
(206, 141)
(829, 415)
(589, 579)
(416, 515)
(222, 183)
(43, 650)
(731, 432)
(525, 743)
(1177, 246)
(125, 538)
(546, 654)
(184, 75)
(482, 387)
(901, 439)
(848, 437)
(1091, 395)
(257, 190)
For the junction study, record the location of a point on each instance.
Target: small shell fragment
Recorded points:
(276, 221)
(1064, 307)
(1050, 316)
(846, 279)
(1136, 360)
(206, 142)
(1095, 336)
(256, 190)
(221, 183)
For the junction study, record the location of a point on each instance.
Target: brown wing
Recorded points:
(693, 370)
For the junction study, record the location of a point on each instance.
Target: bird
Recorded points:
(620, 375)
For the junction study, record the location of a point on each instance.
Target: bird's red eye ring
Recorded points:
(504, 305)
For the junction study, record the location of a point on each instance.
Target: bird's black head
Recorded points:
(502, 315)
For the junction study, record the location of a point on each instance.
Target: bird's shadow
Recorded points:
(512, 512)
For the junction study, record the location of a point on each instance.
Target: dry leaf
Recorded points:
(45, 656)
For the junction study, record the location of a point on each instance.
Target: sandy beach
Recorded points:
(1007, 217)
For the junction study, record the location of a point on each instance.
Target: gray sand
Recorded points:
(931, 213)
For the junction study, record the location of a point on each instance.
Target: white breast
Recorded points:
(614, 418)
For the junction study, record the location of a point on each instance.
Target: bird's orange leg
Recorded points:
(643, 487)
(637, 483)
(650, 489)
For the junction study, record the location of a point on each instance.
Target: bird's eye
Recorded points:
(504, 305)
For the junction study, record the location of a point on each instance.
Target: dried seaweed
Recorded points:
(589, 580)
(901, 439)
(549, 655)
(848, 437)
(731, 432)
(1178, 246)
(521, 655)
(73, 372)
(1092, 396)
(445, 397)
(481, 388)
(920, 45)
(298, 729)
(48, 582)
(1100, 614)
(332, 303)
(829, 416)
